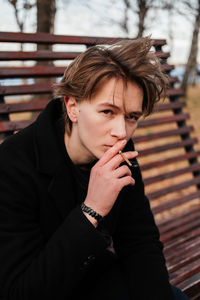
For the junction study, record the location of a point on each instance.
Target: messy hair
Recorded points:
(129, 60)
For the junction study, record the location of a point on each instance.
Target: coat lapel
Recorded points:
(51, 158)
(62, 192)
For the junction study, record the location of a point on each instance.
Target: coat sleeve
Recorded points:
(137, 242)
(31, 268)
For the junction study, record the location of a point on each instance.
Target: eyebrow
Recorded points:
(116, 107)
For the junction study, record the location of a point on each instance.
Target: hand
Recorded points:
(107, 179)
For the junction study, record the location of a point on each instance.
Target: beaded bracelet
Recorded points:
(91, 212)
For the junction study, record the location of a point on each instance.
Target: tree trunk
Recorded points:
(46, 10)
(191, 66)
(143, 8)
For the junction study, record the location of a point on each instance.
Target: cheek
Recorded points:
(130, 130)
(90, 125)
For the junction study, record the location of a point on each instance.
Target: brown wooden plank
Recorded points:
(47, 38)
(191, 286)
(36, 71)
(175, 202)
(37, 55)
(180, 231)
(162, 134)
(183, 258)
(175, 92)
(184, 250)
(51, 55)
(166, 68)
(175, 173)
(167, 161)
(171, 244)
(163, 120)
(22, 72)
(173, 79)
(34, 105)
(37, 88)
(169, 106)
(181, 248)
(179, 220)
(174, 188)
(162, 54)
(169, 146)
(6, 126)
(185, 272)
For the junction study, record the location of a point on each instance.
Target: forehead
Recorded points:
(115, 92)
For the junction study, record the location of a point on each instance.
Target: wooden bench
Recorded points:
(167, 153)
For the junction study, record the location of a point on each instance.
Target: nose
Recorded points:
(119, 128)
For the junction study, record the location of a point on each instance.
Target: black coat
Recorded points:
(49, 249)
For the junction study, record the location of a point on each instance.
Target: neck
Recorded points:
(75, 149)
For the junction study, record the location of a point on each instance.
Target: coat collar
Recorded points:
(49, 156)
(52, 158)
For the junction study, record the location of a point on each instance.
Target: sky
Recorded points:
(73, 17)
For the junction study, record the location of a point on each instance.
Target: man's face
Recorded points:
(111, 115)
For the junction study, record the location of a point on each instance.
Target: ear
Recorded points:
(71, 107)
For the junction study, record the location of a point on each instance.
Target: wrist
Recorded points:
(91, 214)
(91, 219)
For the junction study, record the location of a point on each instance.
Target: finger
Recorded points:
(127, 180)
(122, 171)
(111, 152)
(118, 159)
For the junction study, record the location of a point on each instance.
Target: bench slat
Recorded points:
(6, 126)
(182, 260)
(169, 106)
(48, 38)
(37, 55)
(185, 272)
(37, 88)
(45, 70)
(170, 245)
(175, 173)
(180, 231)
(163, 120)
(194, 243)
(191, 286)
(174, 223)
(167, 161)
(35, 105)
(182, 248)
(36, 71)
(162, 134)
(41, 88)
(174, 188)
(50, 55)
(175, 202)
(169, 146)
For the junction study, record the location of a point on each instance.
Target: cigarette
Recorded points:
(126, 159)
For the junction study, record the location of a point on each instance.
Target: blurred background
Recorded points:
(176, 21)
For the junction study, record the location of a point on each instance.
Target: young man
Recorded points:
(74, 220)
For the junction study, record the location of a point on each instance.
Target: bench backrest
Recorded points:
(167, 156)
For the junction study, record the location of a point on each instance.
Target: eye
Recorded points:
(107, 111)
(132, 117)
